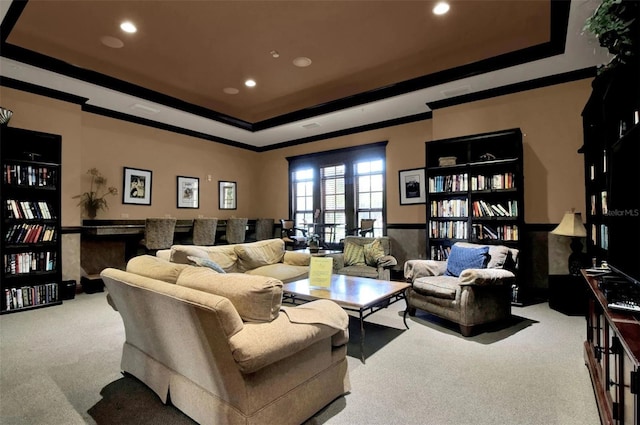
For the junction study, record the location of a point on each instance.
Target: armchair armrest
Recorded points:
(485, 277)
(387, 261)
(414, 269)
(338, 261)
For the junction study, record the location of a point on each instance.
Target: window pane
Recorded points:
(376, 182)
(364, 184)
(376, 200)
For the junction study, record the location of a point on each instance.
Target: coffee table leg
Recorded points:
(406, 311)
(361, 337)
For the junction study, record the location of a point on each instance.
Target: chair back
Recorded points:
(158, 233)
(204, 231)
(264, 228)
(362, 241)
(236, 230)
(366, 226)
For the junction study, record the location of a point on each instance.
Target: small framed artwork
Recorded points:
(412, 187)
(188, 192)
(227, 195)
(136, 186)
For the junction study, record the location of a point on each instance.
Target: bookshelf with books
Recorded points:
(30, 224)
(475, 192)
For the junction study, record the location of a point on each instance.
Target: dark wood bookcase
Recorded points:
(31, 247)
(475, 192)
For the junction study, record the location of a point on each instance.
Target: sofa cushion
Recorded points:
(225, 256)
(296, 258)
(261, 253)
(179, 253)
(284, 272)
(353, 254)
(437, 286)
(373, 252)
(361, 270)
(257, 298)
(461, 258)
(155, 268)
(206, 262)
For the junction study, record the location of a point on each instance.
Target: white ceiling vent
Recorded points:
(311, 125)
(144, 109)
(456, 91)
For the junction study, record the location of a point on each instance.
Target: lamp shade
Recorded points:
(571, 225)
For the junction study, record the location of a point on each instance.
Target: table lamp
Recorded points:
(571, 225)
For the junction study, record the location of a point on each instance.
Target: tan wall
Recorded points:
(549, 118)
(551, 124)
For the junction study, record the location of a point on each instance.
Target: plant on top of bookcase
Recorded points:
(612, 23)
(95, 198)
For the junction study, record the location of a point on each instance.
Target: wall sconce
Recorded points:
(571, 225)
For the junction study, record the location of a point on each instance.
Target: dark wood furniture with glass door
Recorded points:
(31, 244)
(612, 355)
(475, 192)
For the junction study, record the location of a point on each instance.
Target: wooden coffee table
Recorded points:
(360, 294)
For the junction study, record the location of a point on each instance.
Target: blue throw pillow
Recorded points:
(206, 262)
(462, 258)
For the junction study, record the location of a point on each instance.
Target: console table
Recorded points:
(612, 355)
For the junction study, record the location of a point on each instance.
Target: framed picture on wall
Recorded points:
(188, 192)
(227, 195)
(136, 186)
(412, 187)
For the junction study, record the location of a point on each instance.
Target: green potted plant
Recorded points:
(313, 241)
(612, 23)
(95, 198)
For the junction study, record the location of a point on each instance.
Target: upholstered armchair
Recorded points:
(365, 257)
(472, 287)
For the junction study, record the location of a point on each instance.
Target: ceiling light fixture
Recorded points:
(274, 53)
(231, 90)
(128, 27)
(250, 83)
(441, 8)
(302, 62)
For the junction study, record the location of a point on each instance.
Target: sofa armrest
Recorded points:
(260, 344)
(296, 258)
(414, 269)
(485, 277)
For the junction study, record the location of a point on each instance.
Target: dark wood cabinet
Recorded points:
(475, 192)
(30, 224)
(612, 355)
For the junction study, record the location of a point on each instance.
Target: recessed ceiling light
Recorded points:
(302, 62)
(231, 90)
(114, 43)
(441, 8)
(128, 27)
(274, 54)
(250, 83)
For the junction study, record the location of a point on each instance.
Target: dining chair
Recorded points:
(236, 230)
(158, 234)
(204, 231)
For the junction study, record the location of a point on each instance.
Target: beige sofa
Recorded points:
(475, 297)
(264, 258)
(222, 346)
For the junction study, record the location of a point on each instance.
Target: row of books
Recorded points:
(29, 262)
(448, 229)
(440, 253)
(493, 182)
(27, 296)
(507, 232)
(30, 210)
(449, 183)
(449, 208)
(482, 208)
(29, 175)
(30, 233)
